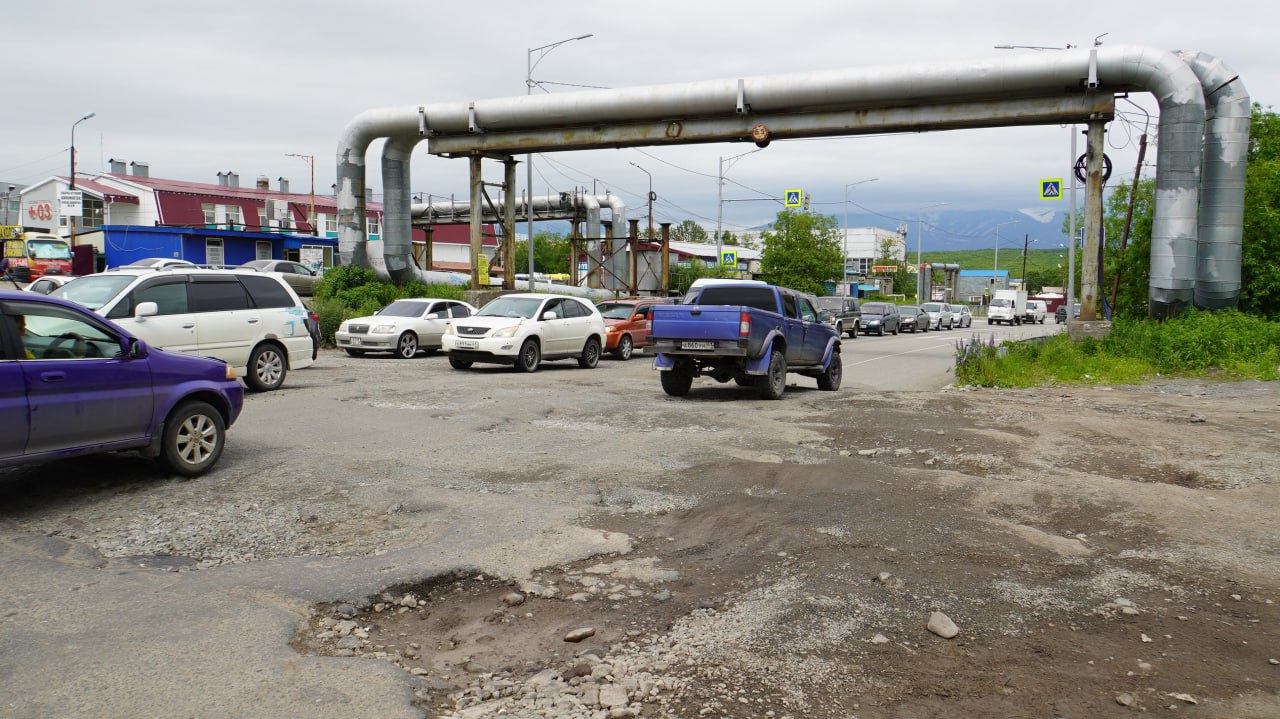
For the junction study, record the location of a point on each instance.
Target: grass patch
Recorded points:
(348, 291)
(1227, 344)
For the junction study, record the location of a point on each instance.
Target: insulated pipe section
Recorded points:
(352, 148)
(617, 271)
(1226, 148)
(397, 229)
(591, 231)
(1119, 68)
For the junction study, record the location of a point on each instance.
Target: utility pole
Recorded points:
(1025, 240)
(720, 200)
(844, 261)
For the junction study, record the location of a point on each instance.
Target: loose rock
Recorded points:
(579, 634)
(942, 625)
(513, 599)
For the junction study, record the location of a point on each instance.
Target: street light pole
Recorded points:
(920, 249)
(311, 215)
(844, 261)
(73, 169)
(528, 158)
(995, 263)
(720, 200)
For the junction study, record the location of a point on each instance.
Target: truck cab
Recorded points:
(31, 256)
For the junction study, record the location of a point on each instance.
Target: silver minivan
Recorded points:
(252, 321)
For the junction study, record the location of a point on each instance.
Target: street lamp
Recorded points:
(73, 168)
(844, 261)
(311, 215)
(995, 263)
(720, 199)
(651, 197)
(920, 248)
(528, 158)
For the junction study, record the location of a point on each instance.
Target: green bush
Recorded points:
(343, 277)
(1196, 343)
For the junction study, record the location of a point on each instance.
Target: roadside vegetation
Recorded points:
(1225, 345)
(348, 291)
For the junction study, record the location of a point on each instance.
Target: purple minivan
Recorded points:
(73, 383)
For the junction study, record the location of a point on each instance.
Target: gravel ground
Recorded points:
(619, 553)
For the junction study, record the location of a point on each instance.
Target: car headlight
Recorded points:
(507, 331)
(342, 327)
(382, 329)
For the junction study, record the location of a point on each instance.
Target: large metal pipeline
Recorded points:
(1222, 184)
(924, 89)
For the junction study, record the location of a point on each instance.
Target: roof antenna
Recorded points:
(1098, 40)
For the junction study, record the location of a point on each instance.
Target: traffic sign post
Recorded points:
(794, 198)
(1051, 189)
(729, 259)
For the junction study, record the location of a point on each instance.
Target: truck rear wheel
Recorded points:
(677, 381)
(774, 382)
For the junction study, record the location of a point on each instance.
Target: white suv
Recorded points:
(524, 329)
(250, 320)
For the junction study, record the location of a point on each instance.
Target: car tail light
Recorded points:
(744, 325)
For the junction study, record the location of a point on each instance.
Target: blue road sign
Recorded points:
(1051, 189)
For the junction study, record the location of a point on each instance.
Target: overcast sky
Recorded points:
(195, 89)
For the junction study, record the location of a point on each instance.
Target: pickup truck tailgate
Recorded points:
(696, 322)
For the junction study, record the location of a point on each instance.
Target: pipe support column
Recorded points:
(1092, 221)
(477, 239)
(509, 225)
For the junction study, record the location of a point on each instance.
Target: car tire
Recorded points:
(624, 349)
(853, 333)
(881, 332)
(407, 346)
(676, 381)
(355, 353)
(194, 435)
(839, 329)
(459, 364)
(895, 330)
(774, 381)
(530, 356)
(1041, 320)
(590, 356)
(829, 381)
(267, 368)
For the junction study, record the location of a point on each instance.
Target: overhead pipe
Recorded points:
(1226, 149)
(1104, 70)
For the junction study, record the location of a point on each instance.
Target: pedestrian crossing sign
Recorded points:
(795, 198)
(729, 258)
(1051, 189)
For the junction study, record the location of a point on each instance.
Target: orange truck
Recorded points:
(28, 256)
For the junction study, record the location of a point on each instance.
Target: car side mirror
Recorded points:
(135, 348)
(146, 309)
(549, 315)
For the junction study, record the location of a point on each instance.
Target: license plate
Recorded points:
(356, 341)
(466, 344)
(697, 345)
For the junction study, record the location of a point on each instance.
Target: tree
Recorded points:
(550, 254)
(802, 251)
(1260, 273)
(689, 231)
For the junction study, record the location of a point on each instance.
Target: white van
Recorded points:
(1035, 312)
(251, 320)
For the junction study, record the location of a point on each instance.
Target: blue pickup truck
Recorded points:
(751, 333)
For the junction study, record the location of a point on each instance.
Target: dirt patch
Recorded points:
(1087, 577)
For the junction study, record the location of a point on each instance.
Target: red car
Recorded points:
(627, 321)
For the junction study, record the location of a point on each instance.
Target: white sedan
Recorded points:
(524, 329)
(402, 327)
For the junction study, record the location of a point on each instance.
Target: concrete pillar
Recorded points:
(509, 225)
(666, 259)
(477, 214)
(1092, 221)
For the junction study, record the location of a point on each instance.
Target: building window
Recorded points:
(213, 251)
(375, 227)
(222, 214)
(262, 250)
(262, 219)
(92, 212)
(329, 222)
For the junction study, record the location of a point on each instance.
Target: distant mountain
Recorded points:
(969, 230)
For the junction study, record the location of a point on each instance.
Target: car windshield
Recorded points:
(1001, 302)
(526, 307)
(258, 264)
(909, 310)
(932, 307)
(404, 308)
(830, 304)
(616, 310)
(93, 292)
(874, 309)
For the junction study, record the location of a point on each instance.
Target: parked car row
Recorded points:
(886, 317)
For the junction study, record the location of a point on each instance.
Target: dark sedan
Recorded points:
(912, 318)
(880, 317)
